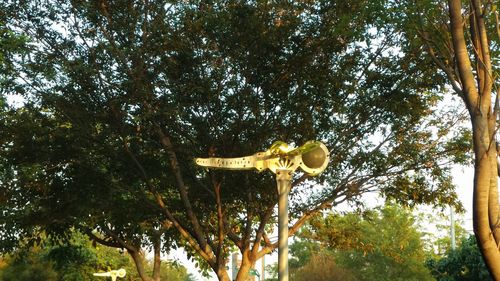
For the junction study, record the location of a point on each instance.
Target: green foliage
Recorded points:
(13, 45)
(106, 83)
(463, 264)
(382, 244)
(272, 272)
(322, 266)
(426, 23)
(73, 262)
(174, 273)
(302, 250)
(438, 241)
(76, 260)
(31, 269)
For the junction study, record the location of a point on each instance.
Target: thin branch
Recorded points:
(497, 25)
(301, 179)
(248, 225)
(447, 70)
(94, 237)
(117, 238)
(221, 227)
(232, 235)
(485, 58)
(174, 163)
(261, 230)
(206, 255)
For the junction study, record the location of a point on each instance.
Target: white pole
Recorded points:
(452, 230)
(234, 265)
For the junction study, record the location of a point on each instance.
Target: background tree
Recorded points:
(31, 268)
(322, 266)
(462, 39)
(77, 260)
(120, 96)
(437, 235)
(382, 244)
(464, 263)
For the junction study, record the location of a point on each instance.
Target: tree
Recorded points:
(463, 46)
(120, 96)
(173, 272)
(12, 45)
(76, 260)
(29, 269)
(464, 263)
(322, 266)
(383, 244)
(437, 239)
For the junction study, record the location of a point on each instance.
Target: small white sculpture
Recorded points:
(113, 274)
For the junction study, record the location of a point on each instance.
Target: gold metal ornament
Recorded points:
(312, 158)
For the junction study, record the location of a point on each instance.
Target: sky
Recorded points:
(463, 178)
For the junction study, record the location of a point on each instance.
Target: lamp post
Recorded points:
(283, 160)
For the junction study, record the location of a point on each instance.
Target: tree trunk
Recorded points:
(139, 264)
(243, 271)
(477, 95)
(483, 178)
(494, 204)
(157, 259)
(222, 274)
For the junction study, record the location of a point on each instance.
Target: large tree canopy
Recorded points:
(120, 96)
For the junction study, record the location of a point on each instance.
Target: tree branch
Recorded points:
(483, 54)
(100, 240)
(119, 240)
(463, 62)
(447, 70)
(174, 163)
(221, 227)
(260, 231)
(206, 255)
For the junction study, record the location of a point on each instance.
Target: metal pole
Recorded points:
(452, 230)
(284, 182)
(234, 265)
